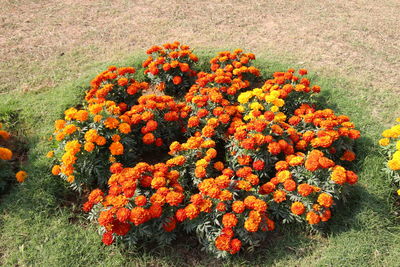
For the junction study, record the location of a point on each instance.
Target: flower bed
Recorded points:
(6, 168)
(231, 159)
(390, 144)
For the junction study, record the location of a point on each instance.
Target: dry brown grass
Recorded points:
(46, 42)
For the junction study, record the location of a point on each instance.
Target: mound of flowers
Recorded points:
(6, 155)
(390, 144)
(223, 153)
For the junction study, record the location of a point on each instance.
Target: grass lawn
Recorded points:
(41, 223)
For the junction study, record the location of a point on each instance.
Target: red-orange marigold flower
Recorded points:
(229, 220)
(298, 208)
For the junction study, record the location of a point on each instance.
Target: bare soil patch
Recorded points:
(47, 42)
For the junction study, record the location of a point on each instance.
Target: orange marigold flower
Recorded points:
(21, 176)
(191, 211)
(180, 215)
(260, 205)
(222, 242)
(267, 188)
(111, 123)
(312, 217)
(235, 246)
(325, 200)
(105, 217)
(290, 185)
(326, 215)
(219, 166)
(70, 129)
(281, 165)
(155, 210)
(101, 141)
(304, 189)
(221, 206)
(56, 170)
(258, 165)
(82, 115)
(348, 156)
(140, 200)
(148, 138)
(325, 162)
(59, 124)
(298, 208)
(5, 153)
(351, 177)
(238, 206)
(339, 175)
(123, 214)
(279, 196)
(274, 148)
(229, 220)
(177, 80)
(139, 215)
(89, 146)
(170, 225)
(174, 198)
(50, 154)
(108, 238)
(124, 128)
(116, 148)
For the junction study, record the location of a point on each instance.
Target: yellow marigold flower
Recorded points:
(73, 146)
(394, 164)
(274, 109)
(240, 109)
(257, 92)
(398, 145)
(398, 192)
(70, 113)
(244, 97)
(387, 133)
(275, 93)
(256, 106)
(50, 154)
(270, 98)
(280, 117)
(21, 176)
(384, 141)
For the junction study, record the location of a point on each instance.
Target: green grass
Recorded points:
(41, 223)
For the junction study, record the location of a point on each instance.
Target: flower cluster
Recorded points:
(170, 68)
(6, 155)
(390, 144)
(228, 162)
(90, 139)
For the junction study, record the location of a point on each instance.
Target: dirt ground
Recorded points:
(46, 42)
